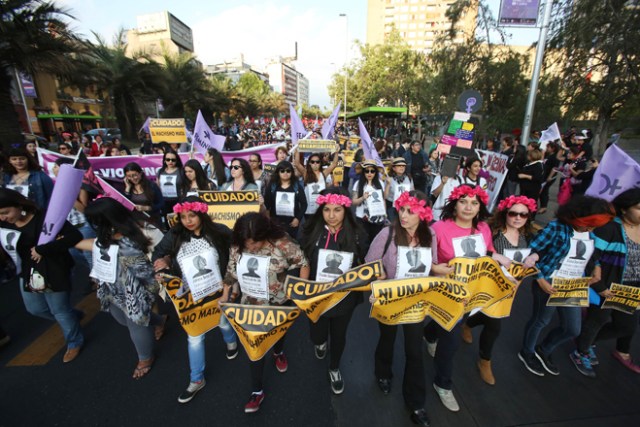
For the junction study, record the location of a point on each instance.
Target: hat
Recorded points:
(371, 163)
(399, 161)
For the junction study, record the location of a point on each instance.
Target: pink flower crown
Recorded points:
(466, 191)
(514, 200)
(417, 207)
(334, 199)
(191, 206)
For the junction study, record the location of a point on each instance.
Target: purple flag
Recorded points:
(65, 193)
(616, 173)
(109, 191)
(297, 128)
(204, 138)
(330, 124)
(370, 152)
(145, 126)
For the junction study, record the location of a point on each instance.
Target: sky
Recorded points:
(258, 29)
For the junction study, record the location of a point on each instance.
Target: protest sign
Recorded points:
(348, 157)
(196, 318)
(64, 195)
(570, 292)
(316, 298)
(496, 165)
(172, 131)
(329, 125)
(259, 327)
(616, 173)
(316, 146)
(225, 207)
(105, 263)
(625, 298)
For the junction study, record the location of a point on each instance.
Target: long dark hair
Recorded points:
(108, 217)
(256, 227)
(32, 163)
(423, 232)
(164, 156)
(582, 206)
(246, 170)
(309, 175)
(314, 228)
(275, 177)
(362, 180)
(626, 200)
(498, 224)
(144, 182)
(218, 165)
(449, 210)
(13, 199)
(201, 177)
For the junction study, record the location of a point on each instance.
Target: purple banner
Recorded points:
(65, 193)
(369, 149)
(297, 127)
(329, 125)
(616, 173)
(109, 191)
(28, 87)
(519, 12)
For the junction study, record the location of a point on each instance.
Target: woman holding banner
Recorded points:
(196, 235)
(562, 250)
(44, 270)
(126, 284)
(261, 257)
(618, 249)
(461, 232)
(214, 167)
(170, 180)
(194, 179)
(333, 242)
(314, 177)
(407, 249)
(22, 174)
(398, 182)
(512, 228)
(284, 199)
(144, 194)
(367, 196)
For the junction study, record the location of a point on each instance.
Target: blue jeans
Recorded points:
(569, 328)
(56, 306)
(87, 233)
(196, 349)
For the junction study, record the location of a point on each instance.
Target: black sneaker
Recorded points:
(337, 384)
(547, 362)
(582, 363)
(232, 352)
(531, 363)
(191, 391)
(385, 385)
(420, 417)
(320, 350)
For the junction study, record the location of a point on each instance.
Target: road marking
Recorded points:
(47, 345)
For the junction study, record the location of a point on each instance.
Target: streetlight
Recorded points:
(333, 64)
(346, 61)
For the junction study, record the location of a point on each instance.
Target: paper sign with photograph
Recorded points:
(332, 264)
(105, 263)
(202, 274)
(22, 189)
(375, 203)
(575, 263)
(517, 255)
(472, 246)
(285, 203)
(312, 191)
(413, 262)
(9, 241)
(253, 275)
(168, 186)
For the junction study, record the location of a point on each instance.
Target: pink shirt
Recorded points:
(447, 230)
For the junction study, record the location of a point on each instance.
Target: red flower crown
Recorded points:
(514, 200)
(191, 206)
(416, 206)
(334, 199)
(466, 191)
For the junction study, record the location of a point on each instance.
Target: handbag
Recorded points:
(36, 282)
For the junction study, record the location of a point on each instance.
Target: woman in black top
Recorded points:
(285, 199)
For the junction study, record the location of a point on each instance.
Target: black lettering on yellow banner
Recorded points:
(259, 327)
(338, 174)
(269, 168)
(348, 157)
(316, 298)
(225, 207)
(625, 298)
(570, 292)
(316, 146)
(196, 318)
(171, 131)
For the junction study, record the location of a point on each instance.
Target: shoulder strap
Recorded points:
(388, 242)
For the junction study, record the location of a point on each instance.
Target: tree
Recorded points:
(34, 37)
(599, 45)
(187, 88)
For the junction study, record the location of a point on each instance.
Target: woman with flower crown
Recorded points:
(461, 232)
(197, 241)
(512, 229)
(407, 248)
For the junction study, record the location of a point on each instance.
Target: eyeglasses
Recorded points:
(254, 161)
(285, 171)
(64, 148)
(369, 171)
(314, 162)
(236, 167)
(513, 214)
(169, 160)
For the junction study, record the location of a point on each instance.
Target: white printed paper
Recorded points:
(9, 242)
(413, 262)
(472, 246)
(332, 264)
(202, 274)
(168, 186)
(517, 255)
(105, 263)
(285, 203)
(253, 275)
(375, 204)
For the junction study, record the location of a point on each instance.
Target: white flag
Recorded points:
(550, 134)
(204, 138)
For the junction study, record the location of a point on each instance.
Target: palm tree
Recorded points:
(34, 37)
(187, 89)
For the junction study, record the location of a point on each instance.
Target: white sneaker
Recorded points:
(431, 347)
(447, 398)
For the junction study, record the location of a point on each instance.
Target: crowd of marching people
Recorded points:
(310, 226)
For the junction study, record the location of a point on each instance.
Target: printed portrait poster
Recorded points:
(375, 203)
(472, 246)
(285, 203)
(413, 262)
(168, 186)
(332, 264)
(9, 242)
(517, 255)
(253, 275)
(202, 274)
(22, 189)
(312, 191)
(105, 263)
(575, 263)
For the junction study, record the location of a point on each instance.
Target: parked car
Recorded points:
(108, 133)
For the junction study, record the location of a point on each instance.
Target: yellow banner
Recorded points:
(316, 146)
(167, 130)
(338, 173)
(196, 318)
(570, 292)
(259, 327)
(348, 157)
(503, 307)
(316, 298)
(625, 298)
(225, 207)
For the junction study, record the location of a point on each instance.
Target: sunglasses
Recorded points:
(314, 162)
(369, 171)
(285, 170)
(236, 167)
(513, 214)
(169, 160)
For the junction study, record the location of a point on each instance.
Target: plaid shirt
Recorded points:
(552, 244)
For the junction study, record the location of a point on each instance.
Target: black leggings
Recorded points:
(336, 327)
(448, 343)
(544, 194)
(489, 333)
(608, 324)
(257, 367)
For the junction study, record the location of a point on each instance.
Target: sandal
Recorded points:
(158, 333)
(143, 368)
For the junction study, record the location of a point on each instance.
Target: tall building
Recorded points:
(419, 22)
(157, 32)
(233, 69)
(285, 79)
